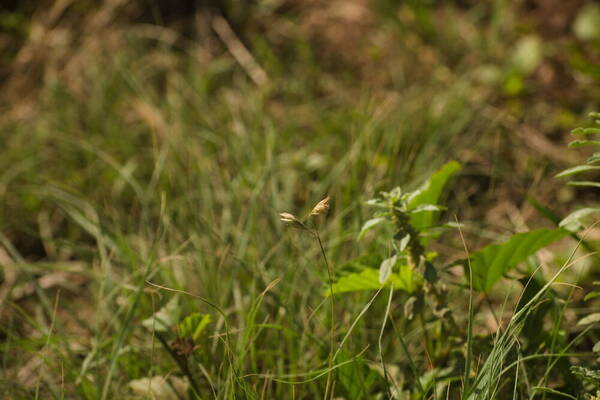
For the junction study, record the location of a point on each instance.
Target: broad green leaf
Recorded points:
(576, 170)
(429, 193)
(493, 261)
(386, 267)
(573, 221)
(370, 224)
(164, 318)
(584, 183)
(589, 319)
(193, 325)
(368, 279)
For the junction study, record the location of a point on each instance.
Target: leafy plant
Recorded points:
(411, 215)
(573, 221)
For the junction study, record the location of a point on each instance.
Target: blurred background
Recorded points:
(155, 139)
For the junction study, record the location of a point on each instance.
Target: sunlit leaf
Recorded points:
(193, 325)
(589, 319)
(573, 221)
(367, 226)
(493, 261)
(368, 279)
(429, 193)
(576, 170)
(385, 269)
(584, 183)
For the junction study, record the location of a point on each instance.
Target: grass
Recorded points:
(139, 165)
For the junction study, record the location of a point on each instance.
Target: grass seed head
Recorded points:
(321, 207)
(287, 218)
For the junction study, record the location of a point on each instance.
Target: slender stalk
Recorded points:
(332, 309)
(181, 362)
(470, 316)
(385, 372)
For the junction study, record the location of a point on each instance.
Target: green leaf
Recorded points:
(404, 242)
(429, 193)
(493, 261)
(193, 325)
(165, 318)
(427, 207)
(370, 224)
(584, 183)
(573, 221)
(545, 211)
(576, 170)
(553, 391)
(591, 295)
(583, 143)
(594, 158)
(585, 131)
(368, 279)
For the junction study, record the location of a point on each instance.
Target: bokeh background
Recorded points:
(157, 140)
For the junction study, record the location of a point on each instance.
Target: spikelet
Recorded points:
(287, 218)
(321, 207)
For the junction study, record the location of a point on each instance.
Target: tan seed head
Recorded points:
(321, 207)
(287, 218)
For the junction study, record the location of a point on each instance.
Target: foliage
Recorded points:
(147, 148)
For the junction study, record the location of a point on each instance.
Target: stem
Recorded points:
(385, 372)
(181, 362)
(331, 333)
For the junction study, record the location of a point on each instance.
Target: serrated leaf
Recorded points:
(492, 262)
(164, 318)
(385, 269)
(367, 226)
(429, 193)
(576, 170)
(572, 222)
(589, 319)
(193, 325)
